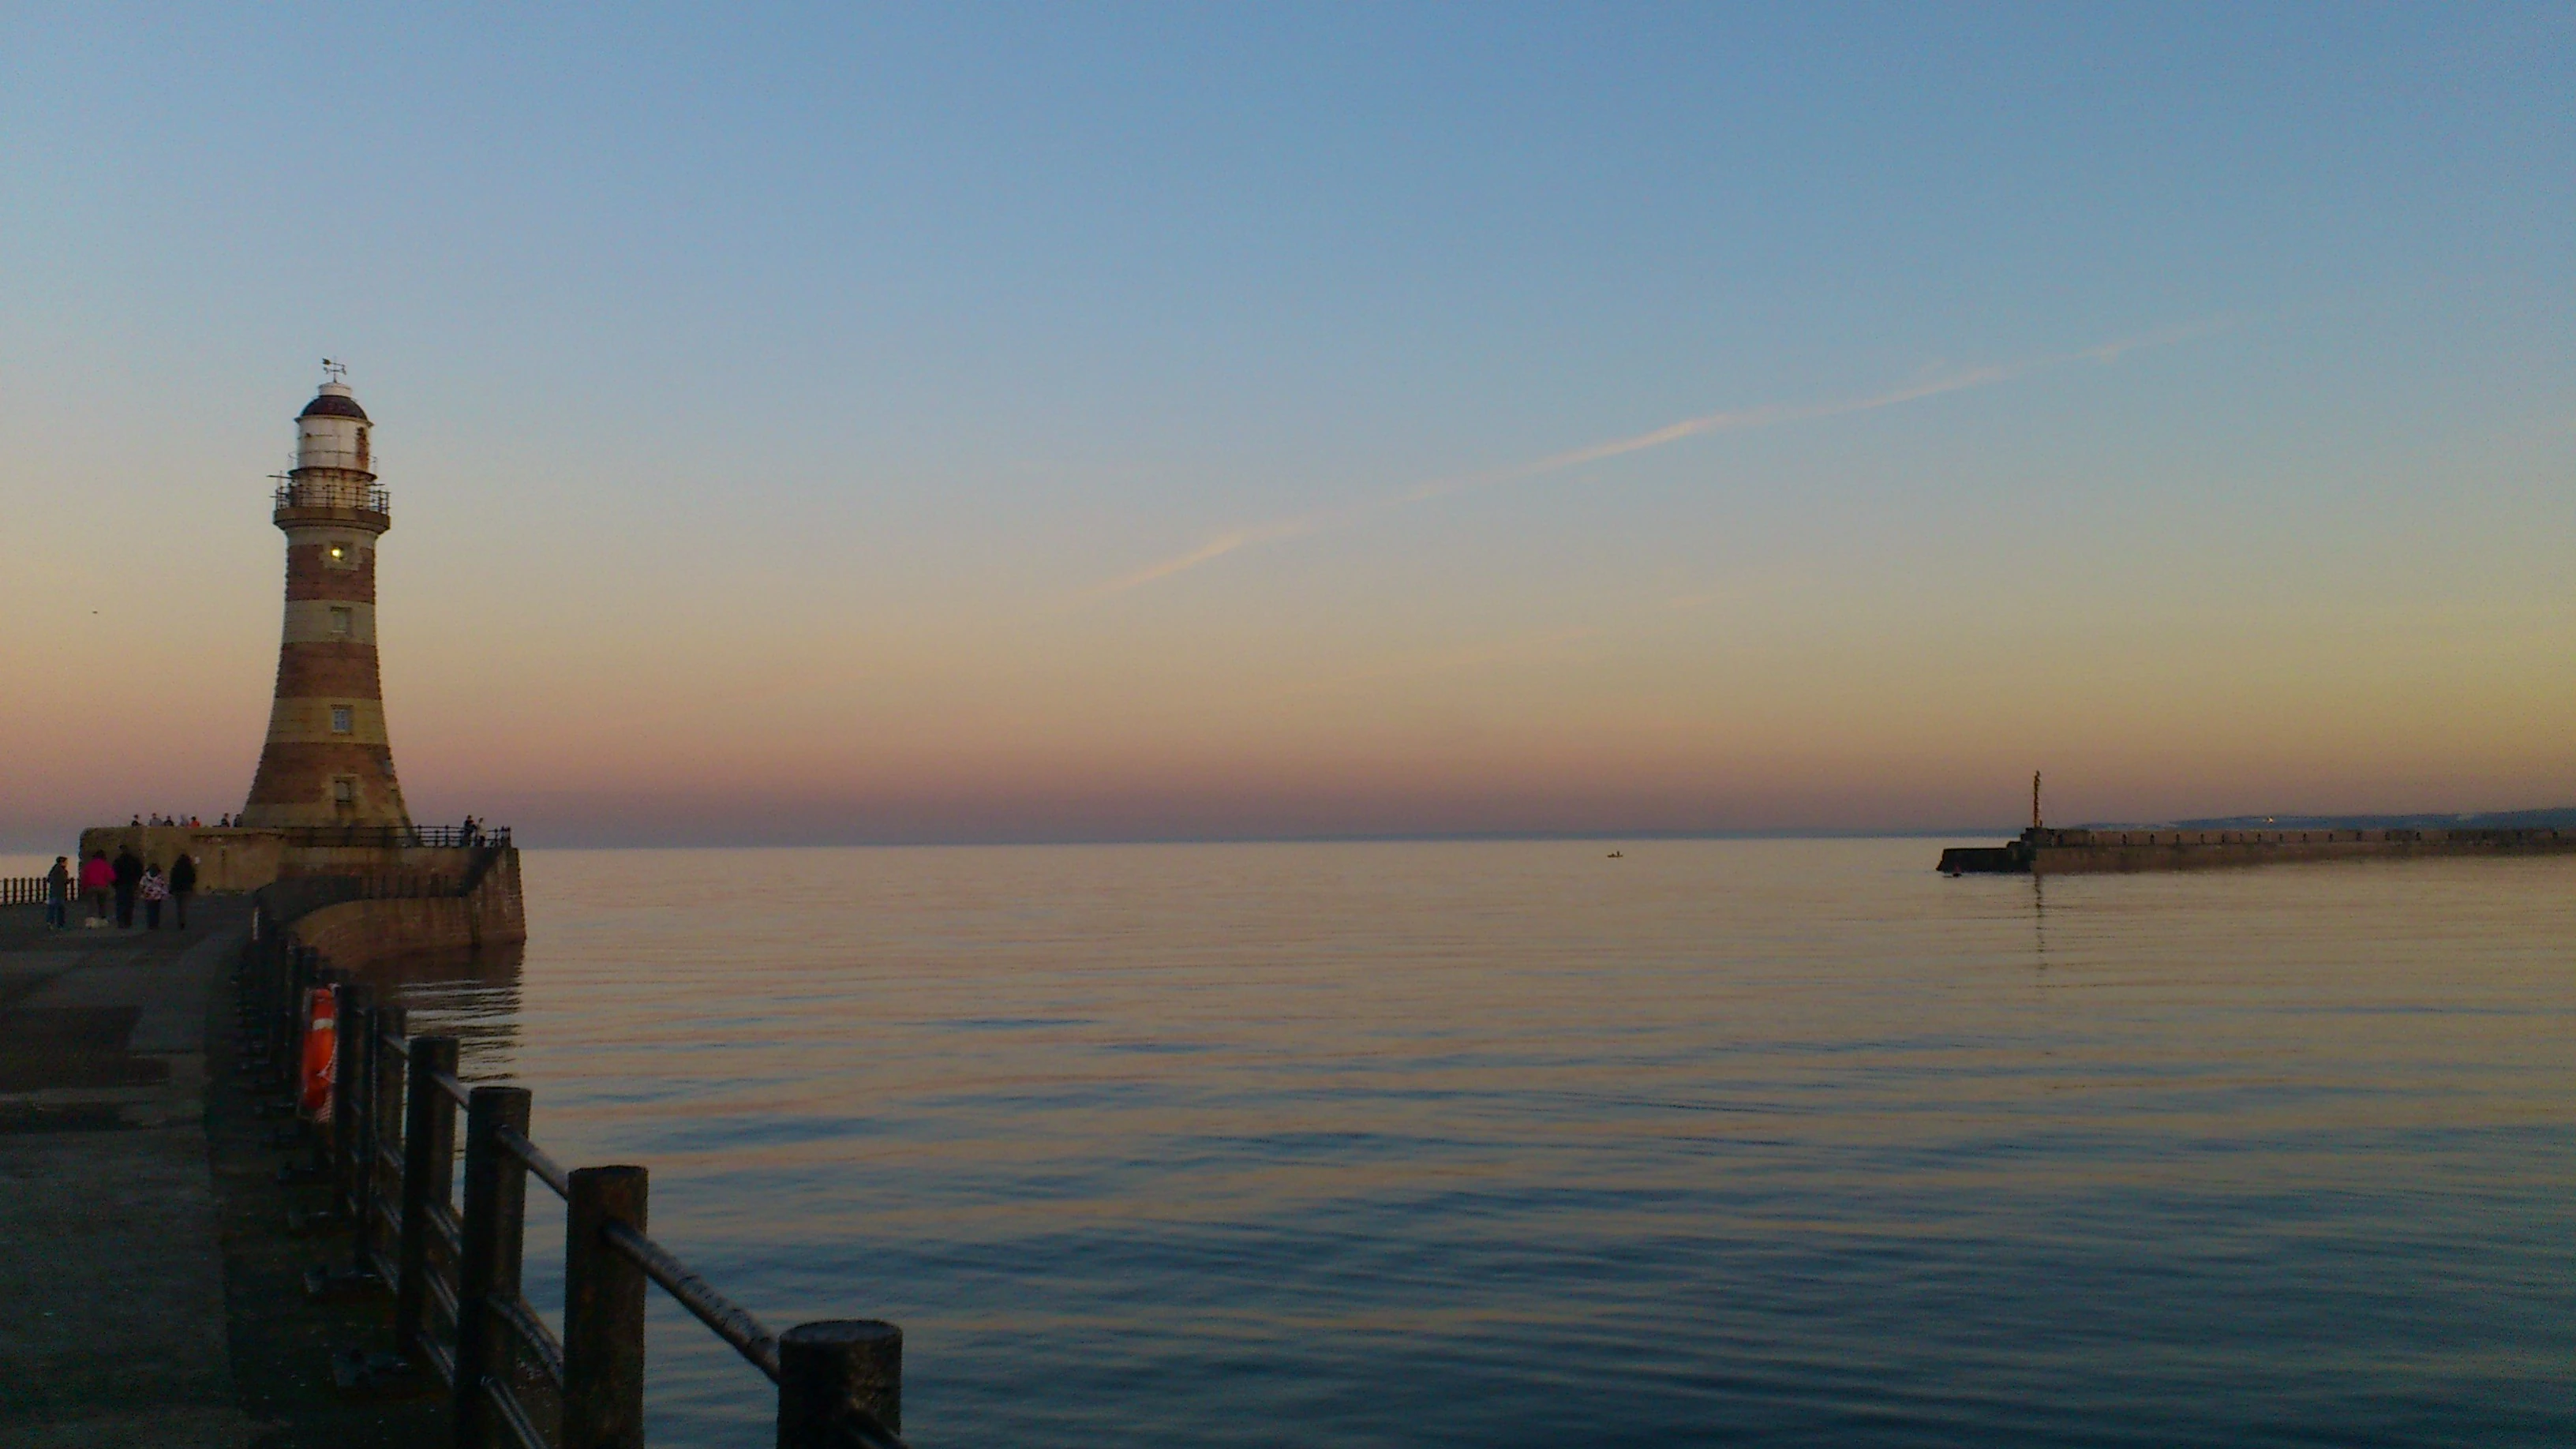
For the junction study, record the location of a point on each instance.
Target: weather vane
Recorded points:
(335, 371)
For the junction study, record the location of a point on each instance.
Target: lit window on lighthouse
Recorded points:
(340, 716)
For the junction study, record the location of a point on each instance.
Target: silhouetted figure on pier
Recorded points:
(183, 884)
(129, 877)
(154, 888)
(58, 894)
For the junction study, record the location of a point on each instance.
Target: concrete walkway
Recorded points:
(151, 1293)
(112, 1323)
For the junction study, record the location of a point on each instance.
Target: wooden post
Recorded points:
(384, 1131)
(348, 1090)
(308, 975)
(496, 1197)
(603, 1340)
(286, 1016)
(429, 1149)
(276, 1008)
(827, 1369)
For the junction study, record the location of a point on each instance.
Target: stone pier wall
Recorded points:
(236, 859)
(353, 933)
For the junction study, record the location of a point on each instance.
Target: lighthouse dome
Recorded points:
(334, 401)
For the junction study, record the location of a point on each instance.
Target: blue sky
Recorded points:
(795, 384)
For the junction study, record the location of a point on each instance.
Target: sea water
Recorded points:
(1515, 1143)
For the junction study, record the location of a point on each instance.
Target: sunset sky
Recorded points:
(1081, 422)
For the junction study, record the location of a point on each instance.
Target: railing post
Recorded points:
(348, 1090)
(429, 1154)
(827, 1370)
(496, 1195)
(286, 1013)
(603, 1339)
(281, 990)
(384, 1128)
(307, 975)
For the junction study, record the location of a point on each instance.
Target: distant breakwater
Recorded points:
(2089, 851)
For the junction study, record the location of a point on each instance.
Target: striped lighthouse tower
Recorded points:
(327, 761)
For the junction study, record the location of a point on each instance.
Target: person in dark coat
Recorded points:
(183, 884)
(129, 878)
(58, 893)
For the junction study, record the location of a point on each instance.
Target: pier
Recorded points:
(428, 1174)
(194, 1261)
(111, 1256)
(171, 1279)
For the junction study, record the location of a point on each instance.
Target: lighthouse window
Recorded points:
(340, 554)
(339, 719)
(344, 790)
(343, 620)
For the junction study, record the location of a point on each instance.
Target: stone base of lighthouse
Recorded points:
(424, 896)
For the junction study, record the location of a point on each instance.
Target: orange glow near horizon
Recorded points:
(1784, 696)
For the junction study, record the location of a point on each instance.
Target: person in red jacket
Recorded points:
(98, 880)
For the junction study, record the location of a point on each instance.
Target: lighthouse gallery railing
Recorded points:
(362, 497)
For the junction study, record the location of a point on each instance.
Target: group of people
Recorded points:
(190, 821)
(124, 880)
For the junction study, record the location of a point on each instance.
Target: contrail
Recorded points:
(1728, 421)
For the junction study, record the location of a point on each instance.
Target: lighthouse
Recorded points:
(327, 760)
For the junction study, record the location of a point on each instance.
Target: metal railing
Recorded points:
(392, 837)
(29, 890)
(333, 493)
(445, 1239)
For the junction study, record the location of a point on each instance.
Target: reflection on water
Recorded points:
(470, 995)
(1503, 1143)
(2039, 918)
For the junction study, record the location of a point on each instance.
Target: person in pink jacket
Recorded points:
(98, 882)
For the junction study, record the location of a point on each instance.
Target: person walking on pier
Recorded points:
(129, 875)
(58, 894)
(98, 878)
(155, 889)
(183, 884)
